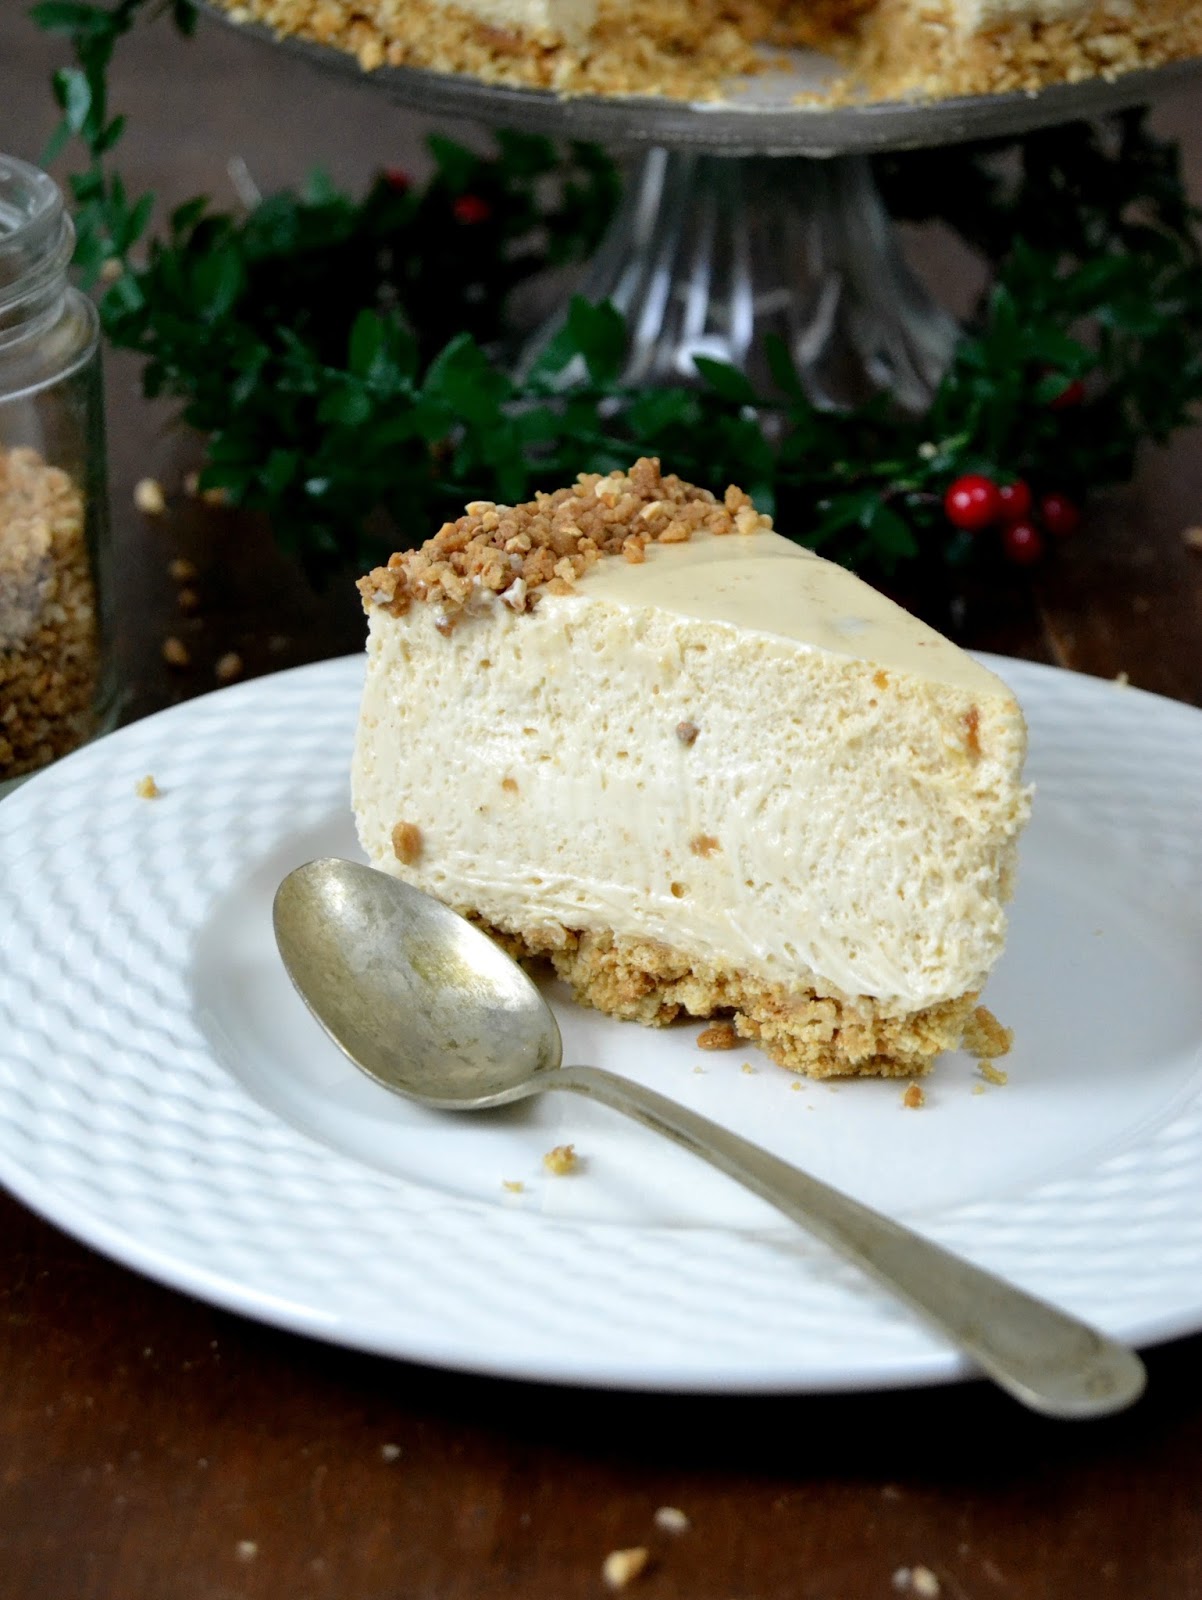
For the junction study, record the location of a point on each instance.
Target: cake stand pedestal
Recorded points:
(758, 213)
(708, 254)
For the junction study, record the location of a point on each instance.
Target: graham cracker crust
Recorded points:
(817, 1035)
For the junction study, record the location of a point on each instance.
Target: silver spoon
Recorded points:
(429, 1007)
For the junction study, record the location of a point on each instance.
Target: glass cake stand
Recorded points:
(758, 212)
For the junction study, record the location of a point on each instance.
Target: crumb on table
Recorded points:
(992, 1074)
(149, 497)
(621, 1567)
(671, 1519)
(513, 1185)
(147, 789)
(915, 1097)
(919, 1581)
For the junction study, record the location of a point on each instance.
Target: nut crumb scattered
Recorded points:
(510, 785)
(176, 652)
(1122, 679)
(562, 1160)
(182, 570)
(147, 789)
(390, 1452)
(149, 497)
(407, 843)
(796, 1087)
(718, 1036)
(671, 1519)
(246, 1549)
(515, 552)
(687, 733)
(915, 1097)
(985, 1036)
(513, 1185)
(747, 1068)
(704, 844)
(229, 666)
(992, 1074)
(978, 1088)
(1191, 538)
(621, 1567)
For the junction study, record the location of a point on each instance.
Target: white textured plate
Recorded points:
(168, 1100)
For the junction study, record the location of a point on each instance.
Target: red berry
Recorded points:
(1059, 515)
(397, 178)
(1071, 395)
(1023, 543)
(470, 209)
(1016, 500)
(973, 502)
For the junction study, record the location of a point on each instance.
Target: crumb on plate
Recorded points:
(718, 1036)
(562, 1160)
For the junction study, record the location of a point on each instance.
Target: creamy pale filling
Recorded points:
(844, 814)
(566, 19)
(975, 16)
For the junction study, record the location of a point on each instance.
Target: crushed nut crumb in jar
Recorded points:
(49, 644)
(54, 692)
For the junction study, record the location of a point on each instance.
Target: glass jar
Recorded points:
(55, 685)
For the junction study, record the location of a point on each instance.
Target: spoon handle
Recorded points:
(1042, 1356)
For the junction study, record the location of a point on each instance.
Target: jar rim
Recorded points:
(44, 201)
(36, 236)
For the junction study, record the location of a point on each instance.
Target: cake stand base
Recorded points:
(709, 254)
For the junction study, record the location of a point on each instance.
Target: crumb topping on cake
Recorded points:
(691, 49)
(513, 552)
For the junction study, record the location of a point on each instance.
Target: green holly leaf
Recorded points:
(598, 333)
(74, 94)
(726, 381)
(366, 343)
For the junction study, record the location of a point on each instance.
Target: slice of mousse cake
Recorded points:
(630, 729)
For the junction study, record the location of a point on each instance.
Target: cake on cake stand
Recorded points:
(758, 213)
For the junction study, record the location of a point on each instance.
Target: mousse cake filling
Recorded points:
(631, 730)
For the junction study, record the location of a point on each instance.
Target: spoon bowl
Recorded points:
(429, 1007)
(413, 994)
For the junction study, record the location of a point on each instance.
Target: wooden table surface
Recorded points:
(152, 1447)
